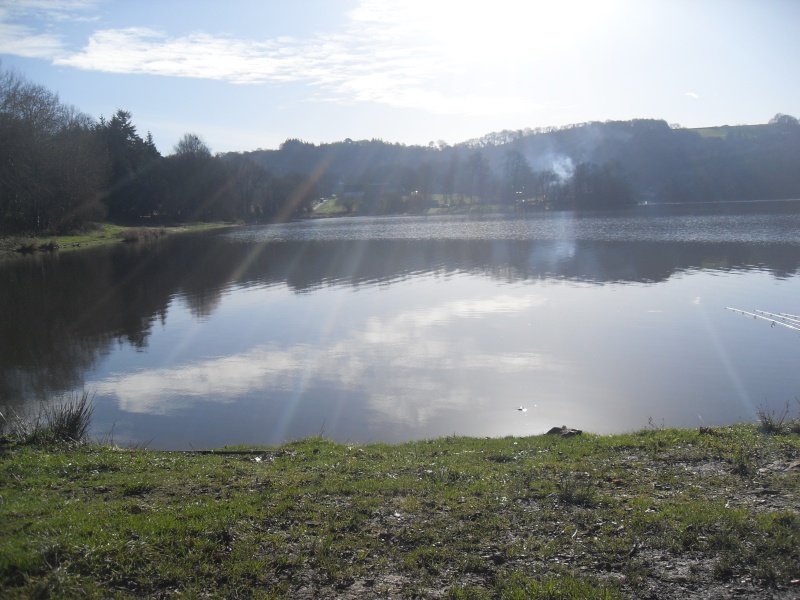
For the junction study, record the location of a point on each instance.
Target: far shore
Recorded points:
(97, 234)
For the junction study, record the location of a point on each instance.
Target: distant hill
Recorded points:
(661, 163)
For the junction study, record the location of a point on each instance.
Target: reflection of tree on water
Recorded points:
(600, 262)
(67, 310)
(62, 313)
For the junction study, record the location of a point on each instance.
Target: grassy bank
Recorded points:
(654, 514)
(95, 235)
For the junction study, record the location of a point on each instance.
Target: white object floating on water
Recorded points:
(522, 409)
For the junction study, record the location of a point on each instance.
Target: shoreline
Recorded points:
(101, 234)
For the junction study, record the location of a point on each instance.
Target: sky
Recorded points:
(249, 74)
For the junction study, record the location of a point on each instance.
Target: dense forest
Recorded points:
(61, 168)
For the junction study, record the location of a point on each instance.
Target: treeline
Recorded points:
(581, 166)
(49, 169)
(60, 168)
(376, 177)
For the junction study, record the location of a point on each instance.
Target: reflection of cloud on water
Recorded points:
(409, 407)
(410, 366)
(221, 379)
(444, 313)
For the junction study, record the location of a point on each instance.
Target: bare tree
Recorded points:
(192, 145)
(50, 165)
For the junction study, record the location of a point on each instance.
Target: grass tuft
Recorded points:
(65, 422)
(776, 423)
(577, 489)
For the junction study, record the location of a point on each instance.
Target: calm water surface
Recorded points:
(392, 329)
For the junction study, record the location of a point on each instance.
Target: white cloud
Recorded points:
(199, 55)
(20, 40)
(349, 67)
(387, 54)
(51, 9)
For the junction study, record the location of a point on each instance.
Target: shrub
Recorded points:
(28, 245)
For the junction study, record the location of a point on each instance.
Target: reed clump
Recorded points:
(29, 245)
(142, 234)
(67, 421)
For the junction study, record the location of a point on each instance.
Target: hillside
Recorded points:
(661, 163)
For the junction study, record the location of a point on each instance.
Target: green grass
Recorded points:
(97, 234)
(462, 205)
(647, 514)
(723, 131)
(330, 208)
(711, 132)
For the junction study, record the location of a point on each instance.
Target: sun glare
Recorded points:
(490, 31)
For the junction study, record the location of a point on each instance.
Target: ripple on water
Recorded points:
(751, 229)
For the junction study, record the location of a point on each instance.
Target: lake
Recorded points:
(403, 328)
